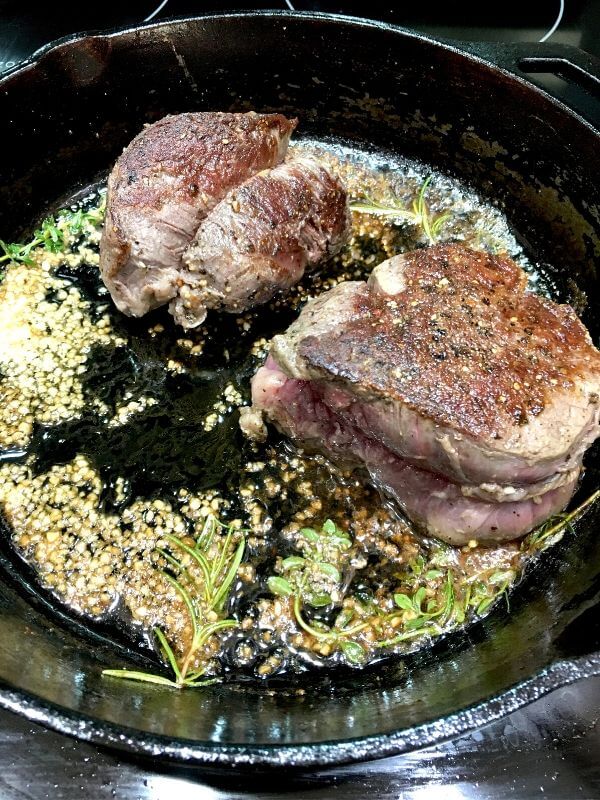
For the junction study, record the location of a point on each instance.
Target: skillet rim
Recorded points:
(490, 54)
(322, 755)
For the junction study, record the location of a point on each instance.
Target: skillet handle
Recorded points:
(578, 69)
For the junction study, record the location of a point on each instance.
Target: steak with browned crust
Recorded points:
(162, 186)
(444, 363)
(261, 238)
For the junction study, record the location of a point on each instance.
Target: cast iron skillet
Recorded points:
(466, 109)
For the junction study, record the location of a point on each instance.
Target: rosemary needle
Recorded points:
(394, 209)
(215, 559)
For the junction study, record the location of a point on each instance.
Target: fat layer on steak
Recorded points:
(162, 186)
(261, 238)
(443, 372)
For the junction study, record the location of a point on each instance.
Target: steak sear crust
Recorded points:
(446, 359)
(468, 400)
(261, 238)
(165, 182)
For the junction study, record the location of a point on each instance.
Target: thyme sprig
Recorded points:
(215, 557)
(317, 573)
(422, 616)
(314, 579)
(429, 601)
(326, 553)
(554, 528)
(433, 595)
(54, 234)
(419, 215)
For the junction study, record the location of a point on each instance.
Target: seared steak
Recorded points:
(443, 366)
(260, 238)
(165, 182)
(434, 503)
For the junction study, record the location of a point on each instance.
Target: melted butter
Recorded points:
(153, 446)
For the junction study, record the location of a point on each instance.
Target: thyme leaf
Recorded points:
(280, 586)
(354, 652)
(403, 601)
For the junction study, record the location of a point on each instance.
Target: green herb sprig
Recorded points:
(325, 554)
(215, 558)
(419, 215)
(54, 234)
(317, 573)
(314, 579)
(554, 528)
(421, 616)
(433, 596)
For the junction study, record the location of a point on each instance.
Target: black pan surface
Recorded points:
(471, 114)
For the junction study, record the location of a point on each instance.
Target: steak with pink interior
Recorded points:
(468, 399)
(437, 505)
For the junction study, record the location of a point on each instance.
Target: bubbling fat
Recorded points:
(118, 434)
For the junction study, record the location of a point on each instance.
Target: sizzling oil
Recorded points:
(152, 446)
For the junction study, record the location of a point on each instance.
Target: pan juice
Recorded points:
(120, 447)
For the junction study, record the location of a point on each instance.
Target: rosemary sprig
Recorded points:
(54, 234)
(433, 598)
(419, 215)
(216, 558)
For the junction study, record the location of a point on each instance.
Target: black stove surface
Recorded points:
(552, 748)
(25, 26)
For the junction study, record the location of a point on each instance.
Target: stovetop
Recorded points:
(548, 750)
(25, 27)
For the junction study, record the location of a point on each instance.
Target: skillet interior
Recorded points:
(70, 114)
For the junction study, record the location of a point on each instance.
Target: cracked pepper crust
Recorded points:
(452, 333)
(201, 152)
